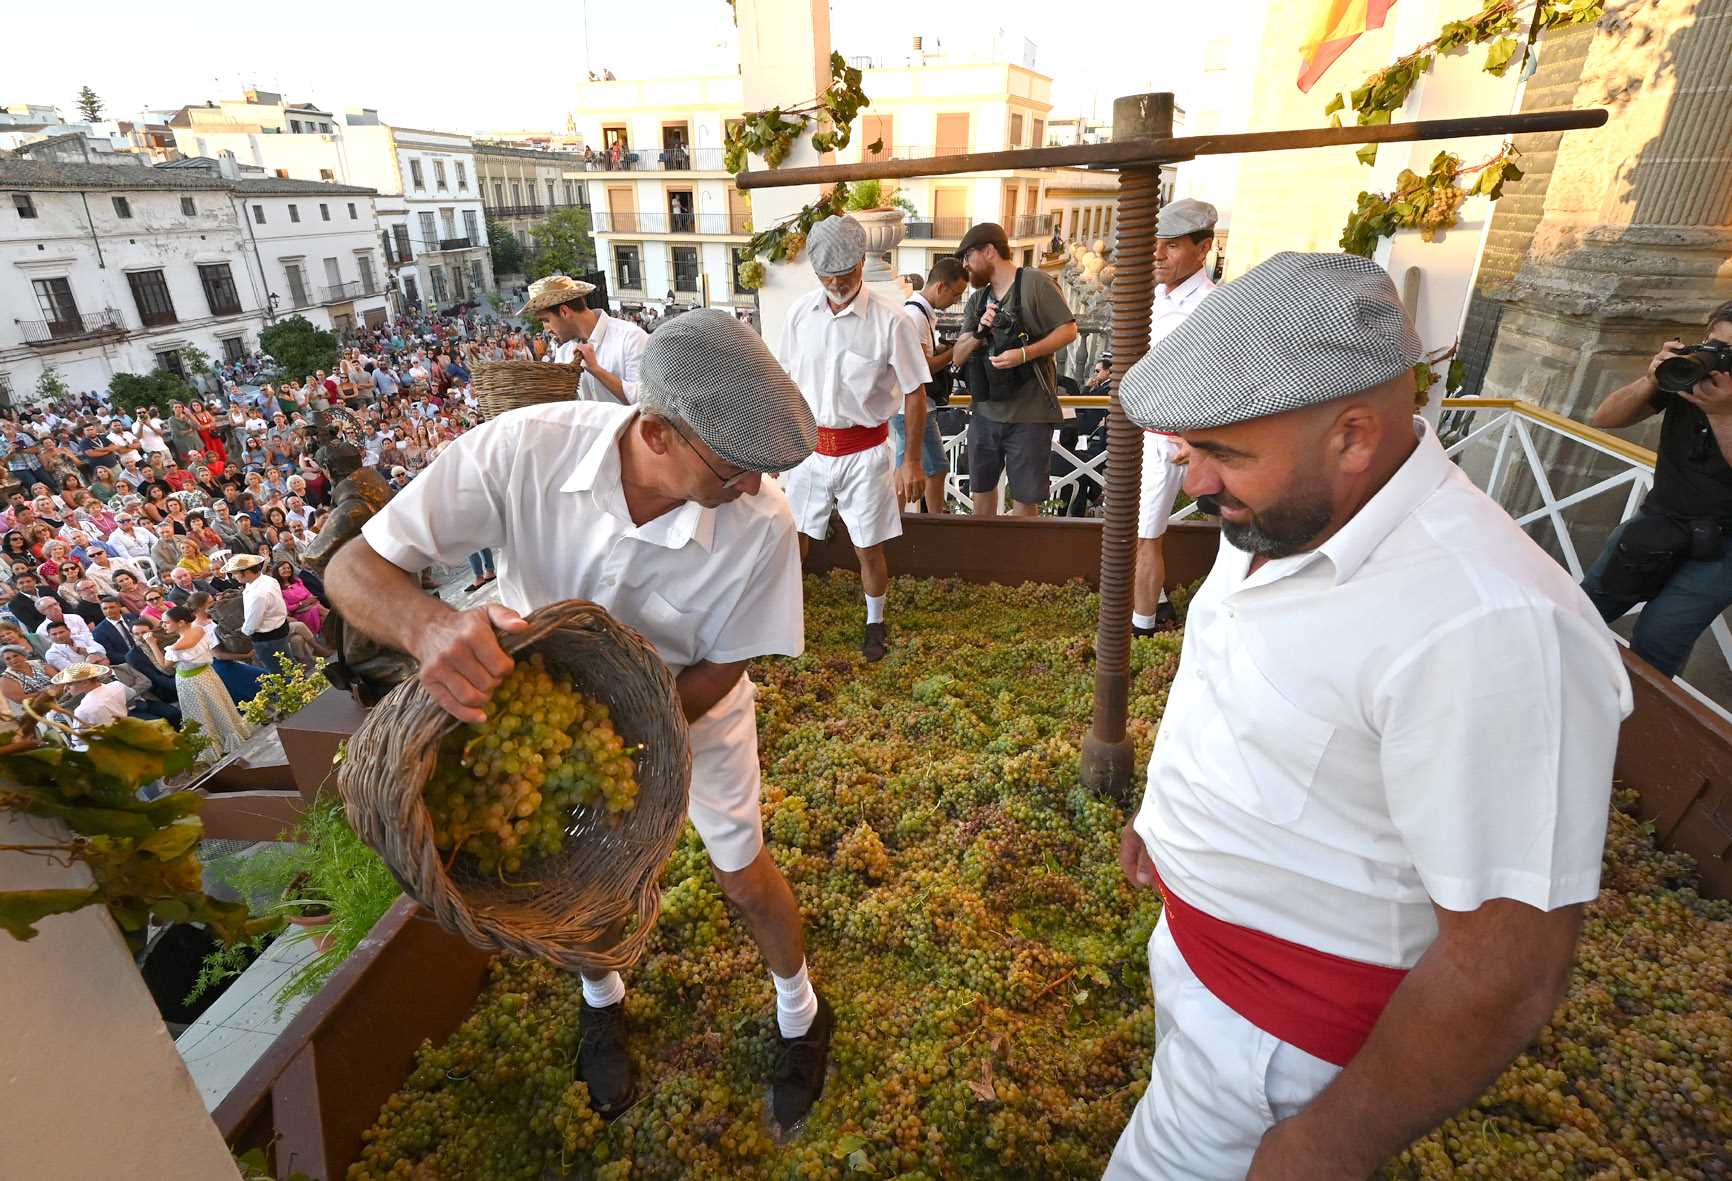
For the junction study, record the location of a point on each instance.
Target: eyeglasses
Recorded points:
(727, 482)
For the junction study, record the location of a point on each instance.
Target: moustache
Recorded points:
(1211, 505)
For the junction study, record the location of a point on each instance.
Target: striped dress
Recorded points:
(204, 700)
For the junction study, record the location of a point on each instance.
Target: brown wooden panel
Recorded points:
(251, 815)
(310, 738)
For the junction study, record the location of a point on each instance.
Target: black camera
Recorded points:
(1693, 365)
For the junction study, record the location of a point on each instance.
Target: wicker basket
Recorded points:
(607, 875)
(506, 385)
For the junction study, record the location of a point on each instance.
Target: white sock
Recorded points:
(1142, 620)
(1163, 594)
(602, 993)
(796, 1003)
(875, 608)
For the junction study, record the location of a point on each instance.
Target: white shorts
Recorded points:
(1217, 1085)
(861, 486)
(1162, 479)
(725, 805)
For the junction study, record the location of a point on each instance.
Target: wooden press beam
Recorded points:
(1154, 152)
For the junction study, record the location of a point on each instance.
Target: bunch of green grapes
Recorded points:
(503, 790)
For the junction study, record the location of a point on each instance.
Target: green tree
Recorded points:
(159, 388)
(299, 348)
(89, 105)
(564, 244)
(507, 250)
(51, 387)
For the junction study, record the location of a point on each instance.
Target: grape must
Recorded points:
(504, 790)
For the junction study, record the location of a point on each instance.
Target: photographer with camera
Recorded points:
(1013, 324)
(1676, 553)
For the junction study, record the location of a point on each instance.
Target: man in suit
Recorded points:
(22, 604)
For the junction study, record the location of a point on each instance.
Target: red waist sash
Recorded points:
(1325, 1004)
(846, 440)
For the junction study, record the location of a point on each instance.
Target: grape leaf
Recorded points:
(857, 1162)
(848, 1145)
(1456, 377)
(1367, 155)
(875, 146)
(1335, 104)
(20, 910)
(1498, 56)
(165, 844)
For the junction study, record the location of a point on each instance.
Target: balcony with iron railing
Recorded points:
(455, 244)
(344, 292)
(660, 160)
(68, 329)
(517, 210)
(715, 224)
(926, 228)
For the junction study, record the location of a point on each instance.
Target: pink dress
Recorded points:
(303, 605)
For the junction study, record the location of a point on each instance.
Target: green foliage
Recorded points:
(89, 105)
(225, 963)
(300, 349)
(159, 387)
(1430, 204)
(871, 194)
(564, 245)
(771, 134)
(142, 855)
(194, 359)
(784, 241)
(287, 691)
(50, 385)
(507, 250)
(254, 1167)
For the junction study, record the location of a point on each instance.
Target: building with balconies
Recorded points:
(520, 187)
(106, 269)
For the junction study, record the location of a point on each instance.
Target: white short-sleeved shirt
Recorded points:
(619, 346)
(1173, 304)
(541, 487)
(264, 609)
(104, 703)
(197, 654)
(853, 366)
(1422, 710)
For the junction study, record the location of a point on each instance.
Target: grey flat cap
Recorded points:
(836, 245)
(1185, 217)
(715, 373)
(1293, 331)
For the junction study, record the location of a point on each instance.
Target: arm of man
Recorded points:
(908, 362)
(1508, 869)
(703, 684)
(1630, 404)
(610, 381)
(1047, 306)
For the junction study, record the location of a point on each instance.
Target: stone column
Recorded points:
(1634, 241)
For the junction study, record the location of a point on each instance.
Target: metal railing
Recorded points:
(951, 229)
(516, 210)
(670, 223)
(342, 292)
(1498, 443)
(78, 326)
(659, 160)
(454, 243)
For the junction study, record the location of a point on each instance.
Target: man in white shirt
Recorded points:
(942, 288)
(264, 617)
(659, 513)
(120, 436)
(609, 349)
(53, 612)
(1378, 796)
(100, 700)
(1184, 236)
(858, 361)
(131, 539)
(65, 648)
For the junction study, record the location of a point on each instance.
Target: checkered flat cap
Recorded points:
(836, 245)
(1293, 331)
(716, 374)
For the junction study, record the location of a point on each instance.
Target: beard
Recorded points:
(1279, 531)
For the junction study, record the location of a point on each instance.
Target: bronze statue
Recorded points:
(363, 666)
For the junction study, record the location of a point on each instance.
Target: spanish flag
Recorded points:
(1336, 24)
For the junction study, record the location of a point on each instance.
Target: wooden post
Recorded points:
(1107, 754)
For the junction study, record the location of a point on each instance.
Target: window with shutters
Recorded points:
(59, 309)
(1015, 131)
(571, 192)
(429, 231)
(364, 264)
(415, 177)
(122, 207)
(234, 349)
(219, 288)
(439, 174)
(1038, 139)
(352, 215)
(448, 221)
(498, 193)
(294, 212)
(476, 275)
(324, 212)
(187, 208)
(259, 215)
(439, 289)
(150, 294)
(401, 234)
(516, 193)
(333, 275)
(462, 176)
(472, 227)
(550, 197)
(686, 272)
(297, 284)
(23, 204)
(628, 267)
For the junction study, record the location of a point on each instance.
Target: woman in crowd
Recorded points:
(23, 677)
(193, 560)
(17, 548)
(129, 590)
(203, 697)
(299, 598)
(209, 432)
(239, 675)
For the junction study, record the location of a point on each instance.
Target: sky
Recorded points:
(463, 67)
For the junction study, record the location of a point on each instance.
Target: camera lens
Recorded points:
(1678, 374)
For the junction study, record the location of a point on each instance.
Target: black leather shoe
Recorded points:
(799, 1077)
(877, 642)
(603, 1061)
(1166, 619)
(1142, 631)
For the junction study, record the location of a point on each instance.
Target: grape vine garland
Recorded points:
(967, 918)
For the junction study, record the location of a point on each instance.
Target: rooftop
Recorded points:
(43, 175)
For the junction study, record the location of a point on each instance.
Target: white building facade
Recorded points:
(107, 269)
(316, 248)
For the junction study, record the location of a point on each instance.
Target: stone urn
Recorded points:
(884, 233)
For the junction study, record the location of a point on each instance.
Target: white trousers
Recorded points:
(1218, 1083)
(861, 487)
(1162, 481)
(725, 805)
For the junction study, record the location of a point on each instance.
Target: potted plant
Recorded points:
(308, 906)
(882, 214)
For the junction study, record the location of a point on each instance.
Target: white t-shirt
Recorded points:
(854, 366)
(103, 704)
(1421, 711)
(540, 486)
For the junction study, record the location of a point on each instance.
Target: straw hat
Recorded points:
(552, 291)
(79, 672)
(241, 562)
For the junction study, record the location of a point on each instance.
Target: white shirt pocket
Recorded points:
(672, 630)
(1276, 747)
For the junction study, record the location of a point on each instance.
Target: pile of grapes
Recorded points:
(967, 919)
(502, 791)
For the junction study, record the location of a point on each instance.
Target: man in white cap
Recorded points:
(265, 616)
(858, 362)
(609, 349)
(660, 513)
(1378, 797)
(1184, 236)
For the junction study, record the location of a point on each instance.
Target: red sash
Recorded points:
(847, 440)
(1324, 1004)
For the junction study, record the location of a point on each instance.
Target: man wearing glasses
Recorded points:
(660, 513)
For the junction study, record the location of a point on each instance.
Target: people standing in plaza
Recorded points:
(1378, 797)
(610, 350)
(1184, 236)
(1016, 321)
(857, 360)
